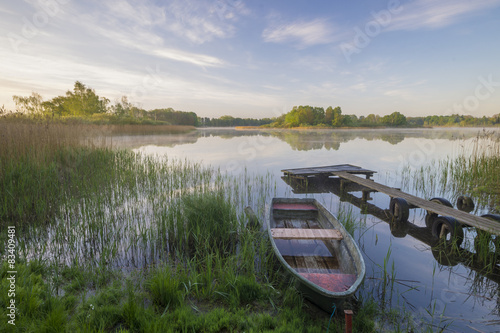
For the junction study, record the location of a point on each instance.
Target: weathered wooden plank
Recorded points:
(326, 170)
(295, 233)
(463, 217)
(294, 206)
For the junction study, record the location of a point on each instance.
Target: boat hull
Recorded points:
(328, 269)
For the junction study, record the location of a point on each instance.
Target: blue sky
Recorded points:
(258, 58)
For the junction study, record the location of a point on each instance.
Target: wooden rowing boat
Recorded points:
(316, 249)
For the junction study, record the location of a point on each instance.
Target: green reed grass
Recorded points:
(475, 172)
(118, 241)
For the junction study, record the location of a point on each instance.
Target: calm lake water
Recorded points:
(443, 290)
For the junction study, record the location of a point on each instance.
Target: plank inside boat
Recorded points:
(303, 233)
(300, 223)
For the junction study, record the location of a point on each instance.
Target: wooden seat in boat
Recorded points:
(296, 233)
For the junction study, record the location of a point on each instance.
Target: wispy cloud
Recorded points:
(433, 14)
(203, 21)
(142, 13)
(143, 34)
(300, 33)
(192, 58)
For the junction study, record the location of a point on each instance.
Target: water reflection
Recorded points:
(459, 284)
(302, 140)
(482, 282)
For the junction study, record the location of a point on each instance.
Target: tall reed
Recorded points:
(474, 172)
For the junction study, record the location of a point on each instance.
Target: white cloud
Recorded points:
(143, 39)
(436, 13)
(301, 33)
(192, 58)
(203, 21)
(139, 12)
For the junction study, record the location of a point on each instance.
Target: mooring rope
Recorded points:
(334, 308)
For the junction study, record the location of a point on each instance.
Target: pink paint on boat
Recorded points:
(331, 282)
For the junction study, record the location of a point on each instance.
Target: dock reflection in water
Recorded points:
(483, 265)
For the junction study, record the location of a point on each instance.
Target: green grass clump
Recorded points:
(210, 221)
(165, 288)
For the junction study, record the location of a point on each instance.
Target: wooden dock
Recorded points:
(463, 217)
(347, 173)
(444, 256)
(325, 171)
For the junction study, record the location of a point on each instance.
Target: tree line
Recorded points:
(305, 116)
(229, 121)
(83, 102)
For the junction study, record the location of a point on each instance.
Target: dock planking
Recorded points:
(326, 170)
(463, 217)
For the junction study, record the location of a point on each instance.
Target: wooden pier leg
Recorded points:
(348, 321)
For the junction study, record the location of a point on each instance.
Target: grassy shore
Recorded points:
(113, 241)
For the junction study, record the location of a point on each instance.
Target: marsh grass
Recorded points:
(117, 241)
(474, 172)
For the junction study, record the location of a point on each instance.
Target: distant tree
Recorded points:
(328, 115)
(395, 119)
(306, 115)
(349, 120)
(415, 121)
(83, 101)
(32, 105)
(122, 108)
(292, 118)
(55, 107)
(337, 117)
(372, 119)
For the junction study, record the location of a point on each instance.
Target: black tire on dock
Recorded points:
(465, 204)
(441, 201)
(493, 217)
(399, 209)
(447, 225)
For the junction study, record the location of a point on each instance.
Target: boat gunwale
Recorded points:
(360, 265)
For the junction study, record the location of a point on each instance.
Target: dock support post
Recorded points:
(342, 185)
(348, 321)
(366, 196)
